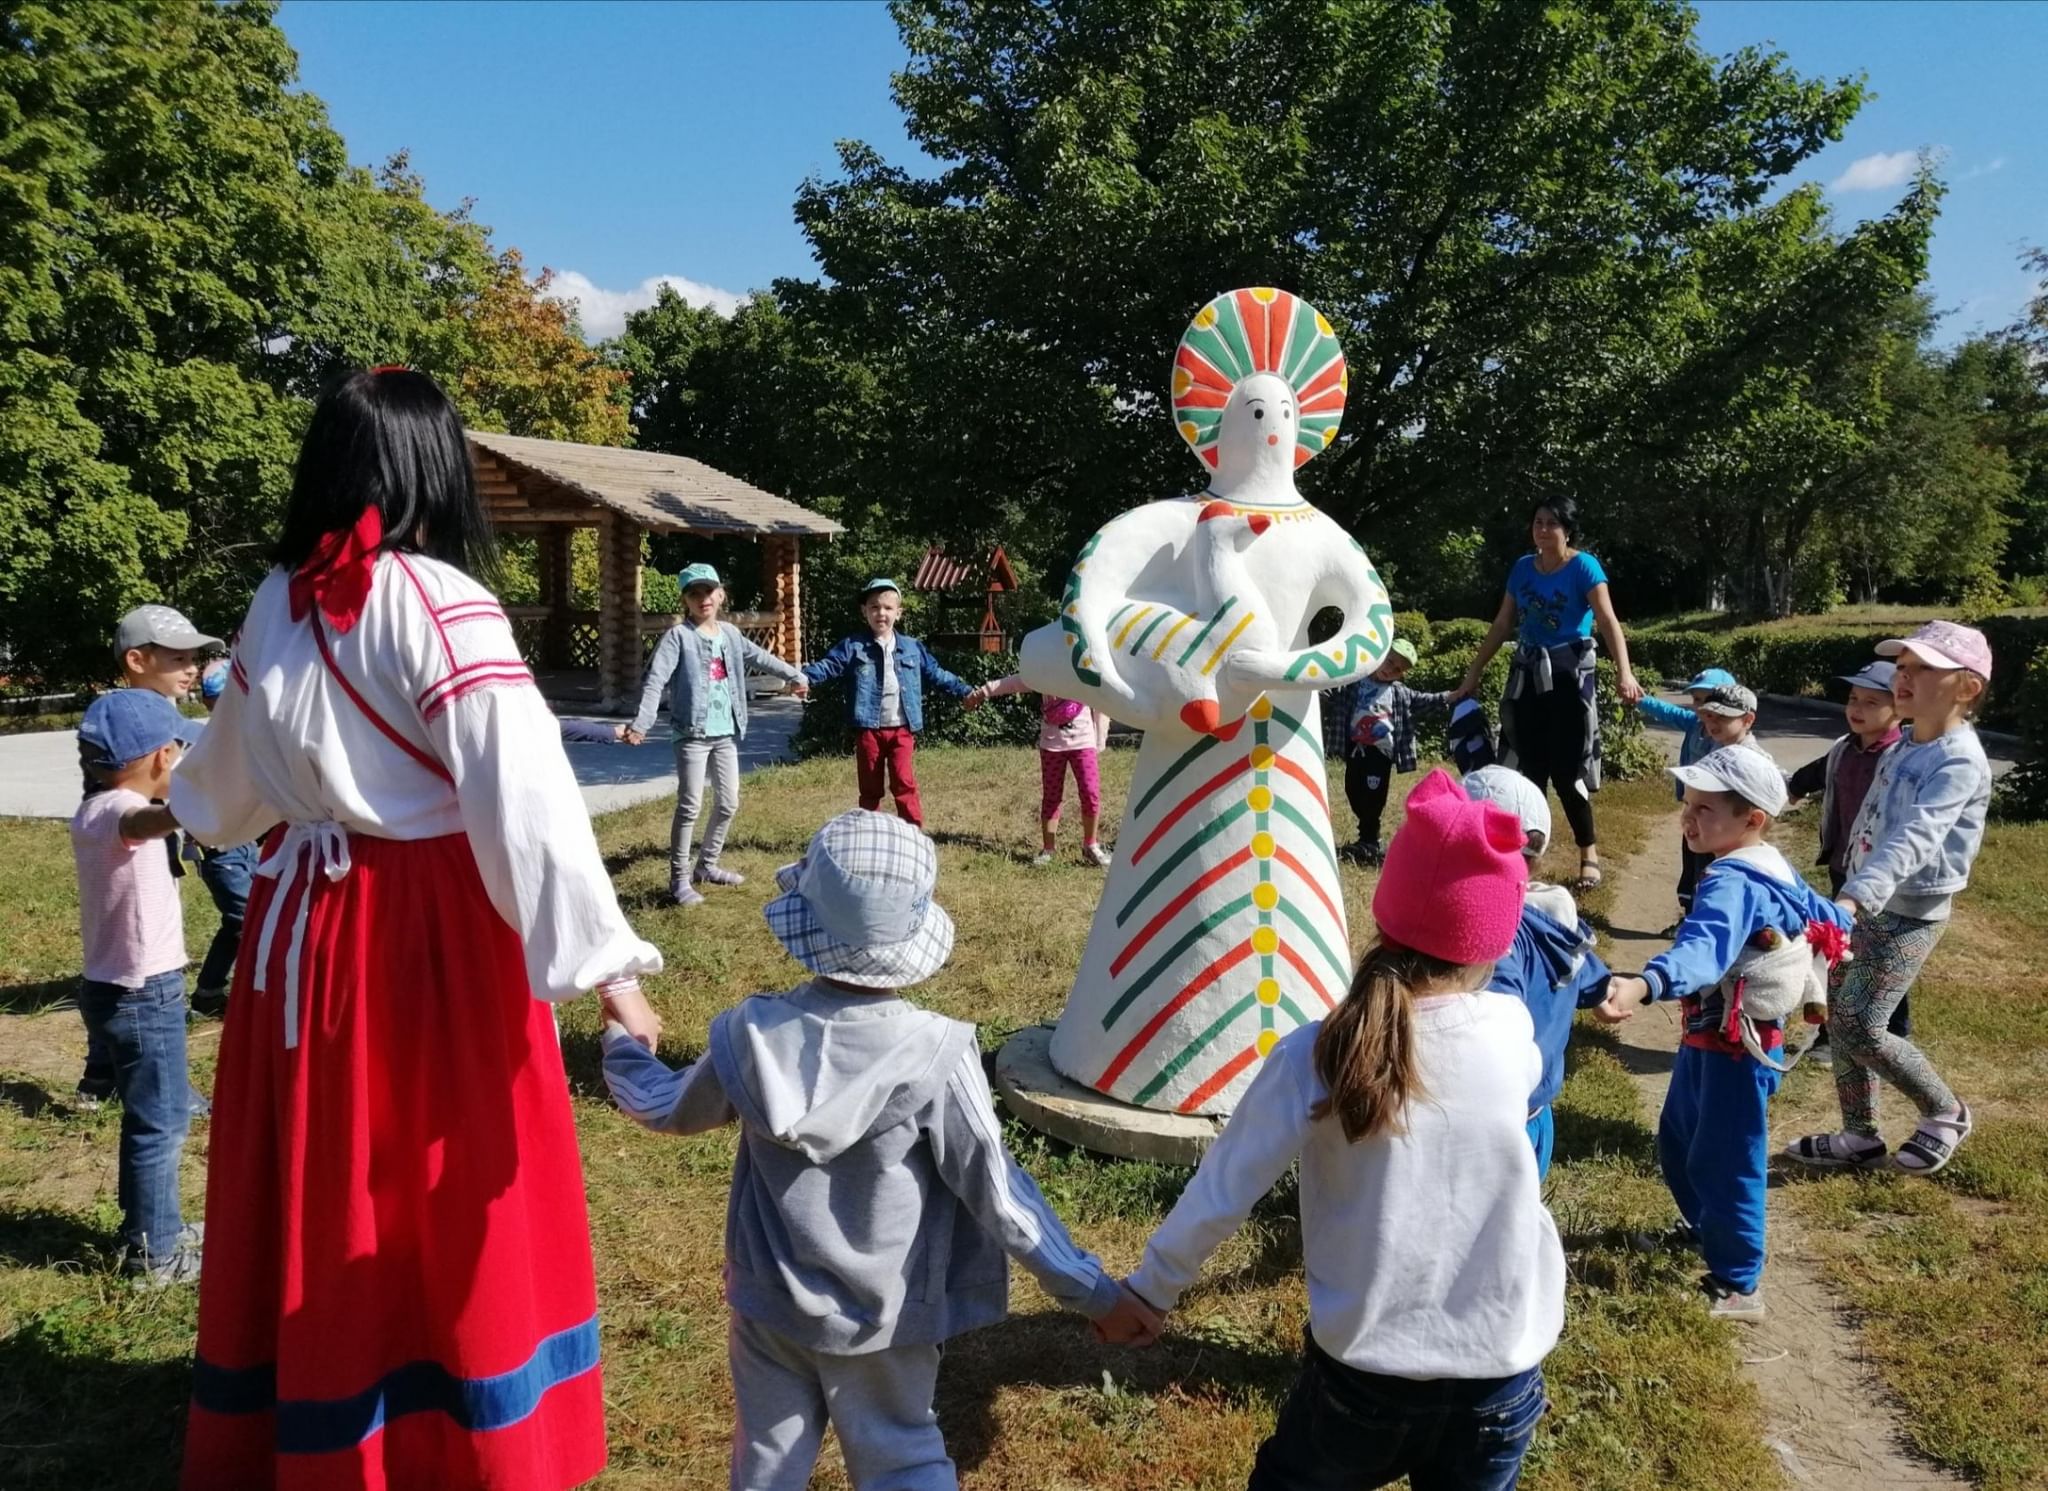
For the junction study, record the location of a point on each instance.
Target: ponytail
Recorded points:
(1365, 1053)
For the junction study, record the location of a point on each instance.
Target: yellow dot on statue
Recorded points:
(1266, 896)
(1261, 799)
(1262, 708)
(1188, 430)
(1264, 295)
(1262, 757)
(1324, 326)
(1262, 845)
(1182, 381)
(1265, 942)
(1206, 317)
(1269, 991)
(1267, 1041)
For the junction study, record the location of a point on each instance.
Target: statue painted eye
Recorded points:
(1258, 412)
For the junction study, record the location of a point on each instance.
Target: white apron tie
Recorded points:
(326, 843)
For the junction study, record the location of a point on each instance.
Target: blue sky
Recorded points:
(623, 143)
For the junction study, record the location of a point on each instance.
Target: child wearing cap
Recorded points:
(1551, 966)
(1373, 725)
(702, 664)
(1436, 1279)
(1842, 776)
(227, 875)
(1071, 737)
(1722, 713)
(890, 672)
(133, 993)
(1743, 957)
(1910, 852)
(872, 1199)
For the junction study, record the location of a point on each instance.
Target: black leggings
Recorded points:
(1367, 776)
(1550, 744)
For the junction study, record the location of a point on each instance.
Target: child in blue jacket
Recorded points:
(1751, 912)
(1722, 713)
(889, 674)
(1551, 967)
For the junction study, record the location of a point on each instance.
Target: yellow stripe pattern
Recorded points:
(1160, 651)
(1224, 646)
(1131, 626)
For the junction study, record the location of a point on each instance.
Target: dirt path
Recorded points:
(1830, 1421)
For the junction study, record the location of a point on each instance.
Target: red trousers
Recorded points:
(891, 747)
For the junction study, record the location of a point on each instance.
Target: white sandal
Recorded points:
(1934, 1142)
(1837, 1152)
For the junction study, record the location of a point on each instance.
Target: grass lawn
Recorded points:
(1646, 1391)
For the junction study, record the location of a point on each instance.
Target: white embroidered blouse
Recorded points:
(422, 720)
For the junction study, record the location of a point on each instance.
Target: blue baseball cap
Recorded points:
(698, 574)
(125, 726)
(1711, 678)
(880, 582)
(1877, 675)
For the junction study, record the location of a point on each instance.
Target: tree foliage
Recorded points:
(186, 255)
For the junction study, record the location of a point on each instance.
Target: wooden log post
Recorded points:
(618, 611)
(781, 584)
(556, 589)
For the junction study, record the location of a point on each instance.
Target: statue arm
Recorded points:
(1072, 658)
(1349, 582)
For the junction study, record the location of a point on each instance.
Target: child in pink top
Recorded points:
(1069, 735)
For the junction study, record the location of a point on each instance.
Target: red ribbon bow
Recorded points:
(337, 576)
(1828, 940)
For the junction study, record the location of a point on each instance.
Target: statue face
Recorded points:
(1258, 432)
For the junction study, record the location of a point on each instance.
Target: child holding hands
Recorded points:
(1722, 713)
(1070, 736)
(1910, 852)
(1753, 930)
(1435, 1276)
(872, 1199)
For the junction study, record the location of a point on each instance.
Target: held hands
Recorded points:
(624, 1003)
(974, 699)
(631, 736)
(1131, 1322)
(800, 688)
(1625, 992)
(1631, 691)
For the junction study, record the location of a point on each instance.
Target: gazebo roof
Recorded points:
(658, 492)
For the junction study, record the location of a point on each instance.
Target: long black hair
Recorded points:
(1563, 508)
(388, 439)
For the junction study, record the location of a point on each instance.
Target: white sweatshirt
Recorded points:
(1429, 1254)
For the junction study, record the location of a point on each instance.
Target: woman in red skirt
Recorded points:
(397, 1289)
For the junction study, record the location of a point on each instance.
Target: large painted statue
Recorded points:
(1221, 925)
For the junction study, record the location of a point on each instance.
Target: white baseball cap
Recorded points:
(1748, 773)
(1512, 792)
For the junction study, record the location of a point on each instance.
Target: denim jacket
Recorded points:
(1921, 826)
(679, 665)
(915, 667)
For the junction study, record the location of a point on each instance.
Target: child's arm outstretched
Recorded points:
(967, 1146)
(1915, 840)
(1664, 712)
(758, 659)
(1704, 949)
(656, 1096)
(668, 656)
(938, 676)
(1254, 1150)
(833, 663)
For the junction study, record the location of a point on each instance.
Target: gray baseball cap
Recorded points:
(1748, 773)
(1731, 699)
(159, 626)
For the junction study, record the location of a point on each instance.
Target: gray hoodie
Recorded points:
(872, 1199)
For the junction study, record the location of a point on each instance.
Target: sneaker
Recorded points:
(1371, 855)
(197, 1104)
(685, 895)
(1676, 1239)
(93, 1092)
(1096, 855)
(717, 875)
(1042, 858)
(167, 1270)
(210, 1002)
(1726, 1302)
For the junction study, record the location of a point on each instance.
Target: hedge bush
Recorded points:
(1416, 627)
(1460, 631)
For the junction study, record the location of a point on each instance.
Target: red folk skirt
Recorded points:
(397, 1290)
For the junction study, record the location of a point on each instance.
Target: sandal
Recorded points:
(1836, 1152)
(1934, 1142)
(1590, 879)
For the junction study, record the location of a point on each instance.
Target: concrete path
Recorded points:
(1796, 731)
(39, 772)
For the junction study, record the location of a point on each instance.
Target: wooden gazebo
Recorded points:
(548, 488)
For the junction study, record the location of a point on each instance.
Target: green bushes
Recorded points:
(1461, 631)
(1627, 751)
(1416, 627)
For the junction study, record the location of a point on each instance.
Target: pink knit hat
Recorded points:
(1453, 880)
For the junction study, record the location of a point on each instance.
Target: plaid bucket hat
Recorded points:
(858, 906)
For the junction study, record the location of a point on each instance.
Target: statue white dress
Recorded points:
(1221, 925)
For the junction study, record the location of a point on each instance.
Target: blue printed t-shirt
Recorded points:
(1555, 608)
(718, 695)
(1372, 715)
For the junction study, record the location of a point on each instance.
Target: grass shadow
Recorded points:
(79, 1414)
(30, 1099)
(38, 1238)
(1114, 1386)
(34, 999)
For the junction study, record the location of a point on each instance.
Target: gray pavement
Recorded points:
(39, 772)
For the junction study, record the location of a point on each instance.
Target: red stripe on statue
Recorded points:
(1171, 1008)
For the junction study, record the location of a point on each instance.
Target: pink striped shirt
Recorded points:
(129, 915)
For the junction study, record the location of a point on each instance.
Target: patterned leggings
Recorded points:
(1889, 951)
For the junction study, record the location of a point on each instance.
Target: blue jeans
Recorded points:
(1713, 1143)
(1543, 1135)
(1346, 1430)
(144, 1030)
(227, 873)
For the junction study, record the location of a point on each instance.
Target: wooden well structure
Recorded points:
(550, 488)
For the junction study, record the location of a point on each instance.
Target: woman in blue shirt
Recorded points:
(1550, 723)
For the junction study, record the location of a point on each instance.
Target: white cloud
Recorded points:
(1984, 170)
(603, 312)
(1874, 173)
